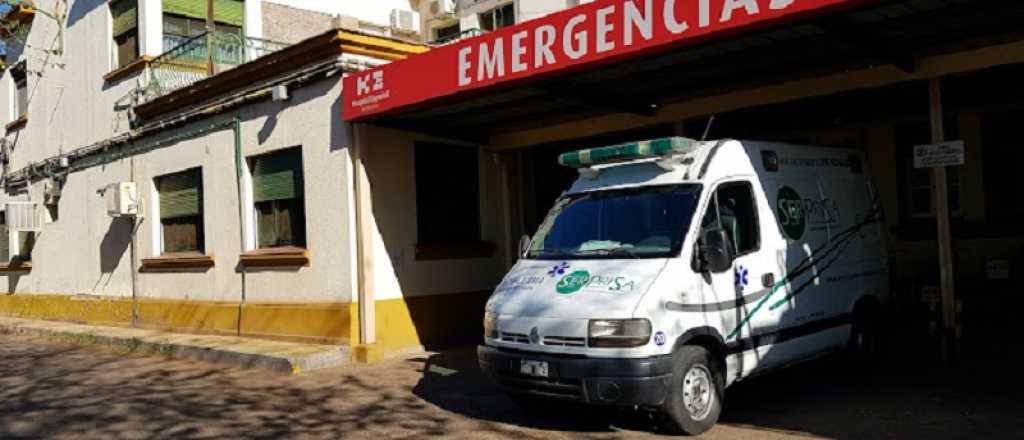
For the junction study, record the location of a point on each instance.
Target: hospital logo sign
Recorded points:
(583, 280)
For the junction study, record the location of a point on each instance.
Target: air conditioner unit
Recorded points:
(122, 199)
(402, 20)
(23, 216)
(440, 8)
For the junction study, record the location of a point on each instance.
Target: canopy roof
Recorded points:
(451, 91)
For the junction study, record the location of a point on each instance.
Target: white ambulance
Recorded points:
(673, 268)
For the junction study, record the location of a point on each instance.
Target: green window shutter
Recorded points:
(277, 176)
(125, 15)
(180, 194)
(230, 12)
(5, 246)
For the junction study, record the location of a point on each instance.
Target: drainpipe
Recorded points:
(237, 126)
(133, 253)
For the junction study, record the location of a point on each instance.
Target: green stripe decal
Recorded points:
(835, 247)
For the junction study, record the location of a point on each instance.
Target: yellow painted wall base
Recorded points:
(311, 323)
(430, 321)
(424, 321)
(97, 311)
(367, 353)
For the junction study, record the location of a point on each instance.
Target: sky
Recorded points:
(377, 11)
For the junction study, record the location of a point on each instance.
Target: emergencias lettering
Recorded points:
(620, 24)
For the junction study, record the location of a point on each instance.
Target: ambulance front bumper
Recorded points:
(617, 382)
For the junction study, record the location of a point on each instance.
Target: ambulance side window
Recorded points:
(732, 208)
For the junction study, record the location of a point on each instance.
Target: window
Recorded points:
(21, 251)
(645, 222)
(20, 90)
(125, 18)
(5, 238)
(181, 211)
(498, 18)
(447, 33)
(732, 207)
(919, 198)
(1002, 157)
(185, 19)
(277, 187)
(447, 194)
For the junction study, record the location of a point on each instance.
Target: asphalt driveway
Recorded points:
(54, 390)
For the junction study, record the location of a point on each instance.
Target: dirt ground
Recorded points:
(54, 390)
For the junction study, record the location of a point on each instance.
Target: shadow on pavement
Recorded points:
(452, 381)
(909, 395)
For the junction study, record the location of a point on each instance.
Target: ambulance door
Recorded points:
(735, 295)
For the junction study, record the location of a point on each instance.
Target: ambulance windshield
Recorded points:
(646, 222)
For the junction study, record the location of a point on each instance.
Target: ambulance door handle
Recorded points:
(768, 280)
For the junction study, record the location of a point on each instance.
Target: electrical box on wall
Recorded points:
(122, 199)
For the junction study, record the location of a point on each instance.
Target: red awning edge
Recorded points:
(588, 36)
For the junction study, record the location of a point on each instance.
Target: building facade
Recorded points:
(268, 208)
(167, 177)
(444, 21)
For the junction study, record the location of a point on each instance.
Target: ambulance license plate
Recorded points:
(533, 368)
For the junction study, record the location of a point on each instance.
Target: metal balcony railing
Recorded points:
(468, 33)
(186, 62)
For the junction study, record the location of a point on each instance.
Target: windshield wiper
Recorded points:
(548, 253)
(619, 251)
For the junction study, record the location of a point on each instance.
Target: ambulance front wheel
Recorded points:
(694, 401)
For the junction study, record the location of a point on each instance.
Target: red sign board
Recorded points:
(598, 33)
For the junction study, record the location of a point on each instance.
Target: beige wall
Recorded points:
(87, 252)
(391, 171)
(66, 90)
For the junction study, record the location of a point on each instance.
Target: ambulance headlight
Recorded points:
(618, 333)
(490, 325)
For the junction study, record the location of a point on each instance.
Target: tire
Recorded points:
(694, 400)
(865, 345)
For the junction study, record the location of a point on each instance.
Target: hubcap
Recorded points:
(698, 392)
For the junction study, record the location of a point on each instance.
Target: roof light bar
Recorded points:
(626, 152)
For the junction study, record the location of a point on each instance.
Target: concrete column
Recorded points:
(254, 18)
(367, 350)
(151, 27)
(945, 239)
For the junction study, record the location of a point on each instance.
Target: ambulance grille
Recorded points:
(518, 338)
(565, 341)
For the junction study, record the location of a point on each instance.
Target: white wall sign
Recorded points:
(943, 154)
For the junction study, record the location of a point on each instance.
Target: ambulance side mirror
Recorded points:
(715, 251)
(524, 245)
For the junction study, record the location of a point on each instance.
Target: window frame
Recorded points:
(201, 227)
(254, 213)
(911, 187)
(115, 49)
(494, 14)
(437, 31)
(17, 100)
(713, 199)
(5, 236)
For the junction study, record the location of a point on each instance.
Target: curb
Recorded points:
(279, 363)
